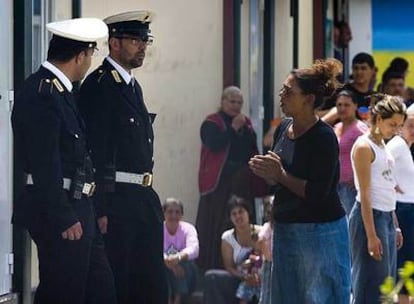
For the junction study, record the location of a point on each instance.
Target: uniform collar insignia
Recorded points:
(58, 85)
(116, 76)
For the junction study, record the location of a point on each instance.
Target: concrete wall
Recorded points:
(360, 21)
(283, 47)
(305, 45)
(182, 82)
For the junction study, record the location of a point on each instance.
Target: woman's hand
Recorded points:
(252, 279)
(238, 122)
(400, 238)
(269, 167)
(375, 248)
(172, 260)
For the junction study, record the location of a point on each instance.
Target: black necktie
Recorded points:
(133, 84)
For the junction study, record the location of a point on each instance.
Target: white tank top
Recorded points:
(382, 190)
(240, 253)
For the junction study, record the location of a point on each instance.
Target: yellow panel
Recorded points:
(383, 59)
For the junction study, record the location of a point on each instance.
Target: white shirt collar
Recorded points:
(59, 74)
(124, 74)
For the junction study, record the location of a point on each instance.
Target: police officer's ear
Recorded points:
(80, 57)
(114, 43)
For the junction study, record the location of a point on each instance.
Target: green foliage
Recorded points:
(389, 289)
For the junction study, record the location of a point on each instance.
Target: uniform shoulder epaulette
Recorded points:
(116, 76)
(48, 86)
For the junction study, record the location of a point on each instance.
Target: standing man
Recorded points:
(55, 205)
(120, 137)
(394, 84)
(363, 72)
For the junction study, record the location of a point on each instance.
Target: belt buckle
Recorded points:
(147, 179)
(93, 188)
(89, 189)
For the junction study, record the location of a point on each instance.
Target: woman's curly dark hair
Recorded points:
(320, 79)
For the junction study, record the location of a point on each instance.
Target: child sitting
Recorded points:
(249, 287)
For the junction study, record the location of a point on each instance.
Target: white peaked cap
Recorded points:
(143, 16)
(79, 29)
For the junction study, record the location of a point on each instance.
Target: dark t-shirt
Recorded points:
(313, 157)
(361, 97)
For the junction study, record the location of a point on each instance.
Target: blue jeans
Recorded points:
(186, 284)
(266, 283)
(311, 263)
(347, 194)
(367, 273)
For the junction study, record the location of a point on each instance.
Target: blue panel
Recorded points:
(393, 25)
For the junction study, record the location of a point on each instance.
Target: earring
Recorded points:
(377, 130)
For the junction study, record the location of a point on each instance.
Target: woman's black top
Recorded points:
(313, 157)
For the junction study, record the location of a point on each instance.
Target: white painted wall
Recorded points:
(6, 143)
(283, 47)
(244, 55)
(360, 21)
(182, 82)
(305, 49)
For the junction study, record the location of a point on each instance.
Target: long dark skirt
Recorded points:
(213, 215)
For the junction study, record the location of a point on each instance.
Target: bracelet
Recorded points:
(398, 230)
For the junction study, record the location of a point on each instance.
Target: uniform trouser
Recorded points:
(135, 252)
(72, 272)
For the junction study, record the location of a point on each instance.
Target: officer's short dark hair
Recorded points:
(364, 58)
(64, 49)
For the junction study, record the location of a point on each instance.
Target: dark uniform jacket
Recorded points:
(120, 137)
(50, 143)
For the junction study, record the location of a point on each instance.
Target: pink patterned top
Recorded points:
(185, 240)
(346, 141)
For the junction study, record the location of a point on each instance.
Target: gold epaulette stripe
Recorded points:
(58, 85)
(116, 76)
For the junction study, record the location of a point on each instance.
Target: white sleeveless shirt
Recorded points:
(240, 253)
(382, 188)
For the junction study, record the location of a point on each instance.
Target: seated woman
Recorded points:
(180, 249)
(236, 245)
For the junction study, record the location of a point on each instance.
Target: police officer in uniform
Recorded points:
(120, 136)
(56, 205)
